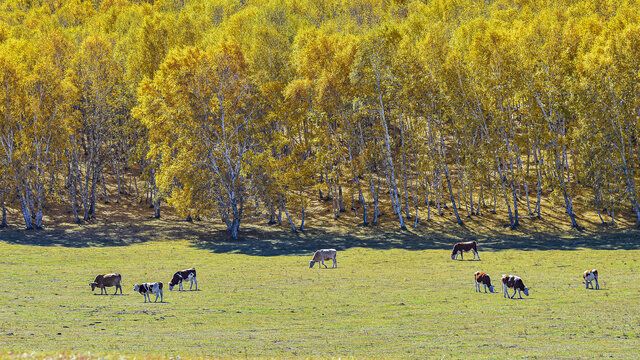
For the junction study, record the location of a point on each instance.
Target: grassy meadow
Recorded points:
(404, 300)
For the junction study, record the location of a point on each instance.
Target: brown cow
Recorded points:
(462, 247)
(482, 278)
(107, 280)
(514, 282)
(322, 255)
(589, 276)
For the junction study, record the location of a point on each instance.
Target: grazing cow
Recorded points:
(462, 247)
(514, 282)
(322, 255)
(146, 289)
(107, 280)
(183, 275)
(482, 278)
(589, 276)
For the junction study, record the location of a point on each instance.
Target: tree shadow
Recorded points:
(79, 236)
(266, 242)
(263, 240)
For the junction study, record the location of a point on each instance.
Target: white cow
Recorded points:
(589, 276)
(322, 255)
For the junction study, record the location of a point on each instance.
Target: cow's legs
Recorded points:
(325, 265)
(116, 291)
(335, 264)
(474, 255)
(196, 281)
(514, 293)
(157, 294)
(597, 285)
(461, 257)
(485, 288)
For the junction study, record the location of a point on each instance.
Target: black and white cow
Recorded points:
(183, 275)
(145, 289)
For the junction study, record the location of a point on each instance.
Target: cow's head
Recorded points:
(136, 287)
(526, 291)
(93, 286)
(491, 288)
(175, 280)
(454, 255)
(311, 263)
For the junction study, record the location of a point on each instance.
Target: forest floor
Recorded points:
(131, 222)
(395, 294)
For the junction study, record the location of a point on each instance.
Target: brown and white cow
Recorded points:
(484, 279)
(589, 276)
(514, 282)
(145, 289)
(183, 275)
(325, 254)
(462, 247)
(107, 280)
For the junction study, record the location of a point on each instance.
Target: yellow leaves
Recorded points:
(4, 31)
(299, 90)
(75, 13)
(198, 111)
(10, 87)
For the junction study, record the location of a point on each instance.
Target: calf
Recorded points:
(183, 275)
(514, 282)
(482, 278)
(145, 289)
(322, 255)
(589, 276)
(107, 280)
(462, 247)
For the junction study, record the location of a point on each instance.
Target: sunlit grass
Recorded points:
(378, 304)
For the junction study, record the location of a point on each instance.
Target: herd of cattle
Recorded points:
(480, 278)
(145, 289)
(508, 281)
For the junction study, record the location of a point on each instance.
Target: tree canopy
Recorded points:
(236, 108)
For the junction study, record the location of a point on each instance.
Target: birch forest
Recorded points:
(229, 110)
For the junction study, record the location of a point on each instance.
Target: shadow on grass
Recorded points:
(77, 236)
(262, 240)
(265, 242)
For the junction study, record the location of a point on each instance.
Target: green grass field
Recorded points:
(379, 303)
